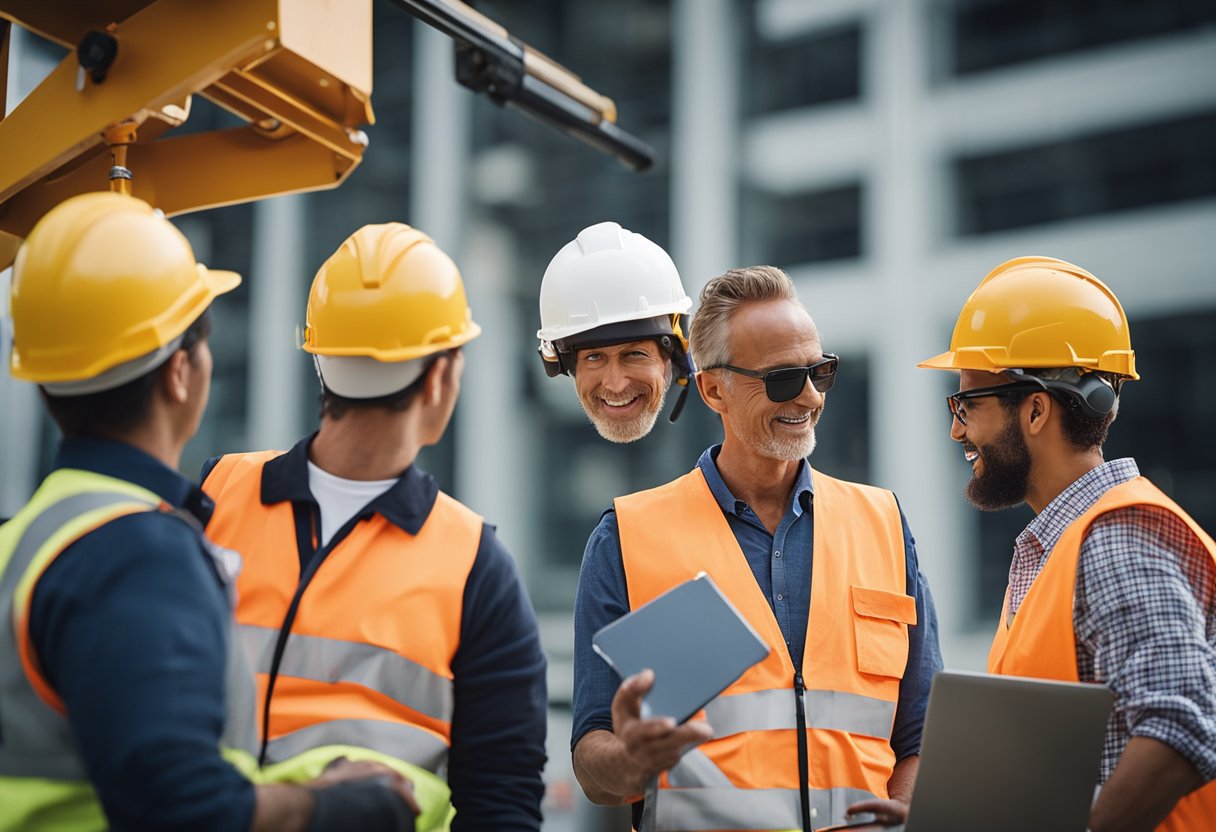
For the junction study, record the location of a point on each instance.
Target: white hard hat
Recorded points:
(611, 286)
(607, 275)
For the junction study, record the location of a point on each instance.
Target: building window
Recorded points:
(817, 68)
(795, 229)
(1099, 173)
(987, 34)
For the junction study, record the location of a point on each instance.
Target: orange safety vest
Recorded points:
(747, 777)
(1042, 643)
(368, 661)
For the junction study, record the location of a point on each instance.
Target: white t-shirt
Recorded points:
(341, 499)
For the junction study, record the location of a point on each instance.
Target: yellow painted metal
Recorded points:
(298, 70)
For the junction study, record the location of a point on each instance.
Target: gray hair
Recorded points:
(709, 335)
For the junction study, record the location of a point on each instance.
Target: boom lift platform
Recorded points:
(298, 72)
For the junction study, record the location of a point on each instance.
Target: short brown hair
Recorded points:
(709, 336)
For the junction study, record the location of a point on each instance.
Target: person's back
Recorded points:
(127, 703)
(387, 620)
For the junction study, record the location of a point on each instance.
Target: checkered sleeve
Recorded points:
(1145, 620)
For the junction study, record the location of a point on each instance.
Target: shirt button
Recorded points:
(777, 555)
(780, 596)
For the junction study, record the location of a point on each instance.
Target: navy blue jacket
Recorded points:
(129, 625)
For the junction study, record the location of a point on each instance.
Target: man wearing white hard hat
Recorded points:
(613, 314)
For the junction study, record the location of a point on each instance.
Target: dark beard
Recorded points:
(1006, 476)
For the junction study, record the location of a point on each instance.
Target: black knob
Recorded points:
(96, 52)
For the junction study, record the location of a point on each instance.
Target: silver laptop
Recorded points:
(1007, 754)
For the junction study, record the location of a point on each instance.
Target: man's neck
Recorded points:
(365, 445)
(157, 441)
(1053, 473)
(761, 482)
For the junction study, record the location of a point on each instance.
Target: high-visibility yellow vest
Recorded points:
(1042, 643)
(367, 667)
(43, 784)
(747, 776)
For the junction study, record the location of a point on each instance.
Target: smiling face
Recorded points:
(768, 335)
(622, 387)
(993, 443)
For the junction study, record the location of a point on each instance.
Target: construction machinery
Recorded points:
(297, 72)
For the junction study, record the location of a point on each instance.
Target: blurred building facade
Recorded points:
(887, 154)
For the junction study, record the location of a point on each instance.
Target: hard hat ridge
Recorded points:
(1039, 312)
(387, 294)
(102, 288)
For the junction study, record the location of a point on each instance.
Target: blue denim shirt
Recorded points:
(781, 564)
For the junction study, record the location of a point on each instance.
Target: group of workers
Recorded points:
(322, 639)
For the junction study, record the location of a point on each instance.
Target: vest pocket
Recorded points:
(880, 624)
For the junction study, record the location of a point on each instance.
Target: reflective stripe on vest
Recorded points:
(772, 710)
(331, 660)
(405, 742)
(1042, 641)
(368, 658)
(689, 810)
(42, 779)
(747, 777)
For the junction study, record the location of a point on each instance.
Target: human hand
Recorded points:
(886, 812)
(343, 769)
(656, 744)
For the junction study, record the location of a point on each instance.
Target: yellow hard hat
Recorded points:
(101, 282)
(1040, 312)
(388, 293)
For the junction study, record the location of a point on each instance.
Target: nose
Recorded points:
(958, 432)
(614, 380)
(810, 397)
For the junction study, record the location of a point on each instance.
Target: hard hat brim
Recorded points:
(218, 281)
(944, 361)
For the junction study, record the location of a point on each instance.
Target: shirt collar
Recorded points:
(406, 504)
(123, 461)
(800, 496)
(1078, 498)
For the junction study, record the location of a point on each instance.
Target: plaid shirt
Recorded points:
(1144, 616)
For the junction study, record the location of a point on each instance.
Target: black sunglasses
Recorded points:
(957, 401)
(786, 383)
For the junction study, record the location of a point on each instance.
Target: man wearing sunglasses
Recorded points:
(1112, 582)
(612, 315)
(825, 570)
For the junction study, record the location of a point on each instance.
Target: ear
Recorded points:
(175, 377)
(437, 379)
(711, 386)
(1038, 410)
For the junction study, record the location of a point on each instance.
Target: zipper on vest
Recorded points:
(803, 765)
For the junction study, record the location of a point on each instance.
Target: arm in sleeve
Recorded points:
(601, 598)
(924, 658)
(130, 627)
(1145, 608)
(499, 723)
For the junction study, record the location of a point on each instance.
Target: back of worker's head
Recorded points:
(1050, 324)
(721, 297)
(105, 293)
(386, 317)
(611, 286)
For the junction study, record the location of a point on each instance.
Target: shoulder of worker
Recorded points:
(290, 466)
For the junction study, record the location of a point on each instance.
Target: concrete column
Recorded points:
(278, 292)
(913, 454)
(492, 433)
(705, 125)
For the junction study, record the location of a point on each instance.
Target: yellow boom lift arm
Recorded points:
(299, 72)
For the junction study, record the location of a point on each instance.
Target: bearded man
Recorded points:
(824, 570)
(1112, 582)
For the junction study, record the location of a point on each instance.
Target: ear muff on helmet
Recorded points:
(1093, 395)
